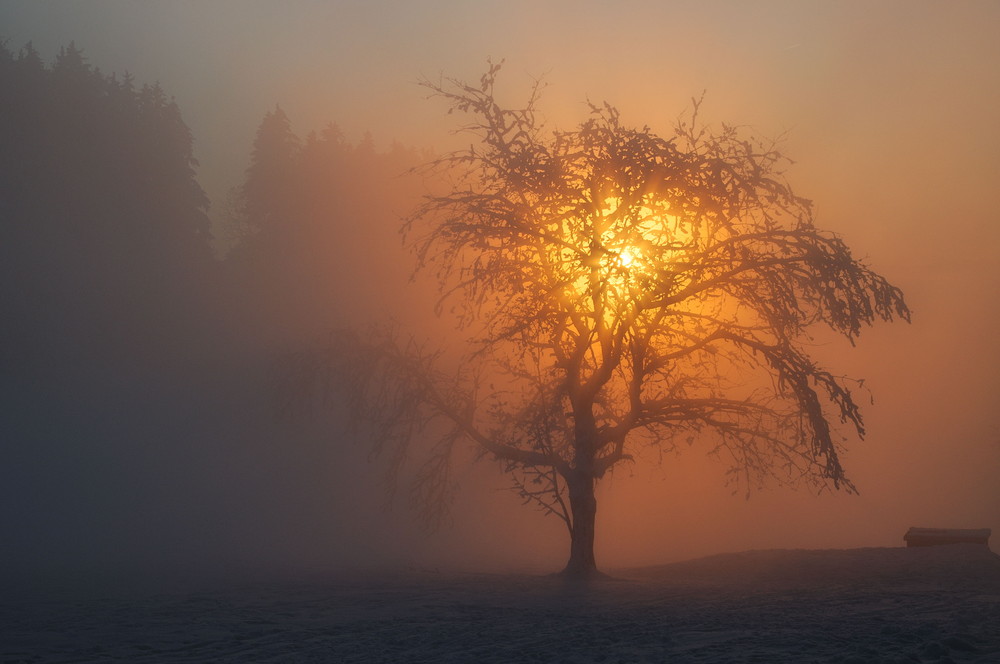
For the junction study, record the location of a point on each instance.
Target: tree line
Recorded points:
(131, 352)
(106, 237)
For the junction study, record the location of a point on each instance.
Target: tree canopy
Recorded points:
(620, 289)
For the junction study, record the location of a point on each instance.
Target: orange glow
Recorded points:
(629, 257)
(640, 247)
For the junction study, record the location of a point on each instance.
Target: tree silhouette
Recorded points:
(619, 289)
(268, 194)
(301, 218)
(103, 226)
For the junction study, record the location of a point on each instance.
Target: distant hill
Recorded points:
(961, 566)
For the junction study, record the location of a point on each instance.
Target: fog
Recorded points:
(119, 456)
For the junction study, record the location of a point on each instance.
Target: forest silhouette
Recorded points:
(135, 360)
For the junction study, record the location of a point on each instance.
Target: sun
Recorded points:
(623, 251)
(627, 257)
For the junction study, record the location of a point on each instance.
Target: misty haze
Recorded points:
(365, 332)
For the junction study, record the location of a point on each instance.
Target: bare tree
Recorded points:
(619, 289)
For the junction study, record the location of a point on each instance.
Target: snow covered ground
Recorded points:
(937, 604)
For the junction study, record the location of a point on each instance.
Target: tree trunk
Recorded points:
(583, 504)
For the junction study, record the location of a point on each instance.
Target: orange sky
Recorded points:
(890, 110)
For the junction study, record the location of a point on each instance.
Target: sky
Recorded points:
(887, 108)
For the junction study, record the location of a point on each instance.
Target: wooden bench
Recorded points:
(938, 536)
